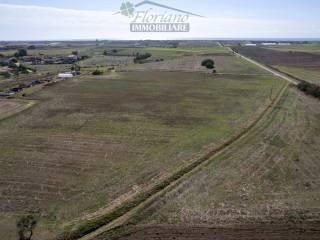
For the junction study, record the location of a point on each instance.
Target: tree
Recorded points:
(25, 227)
(209, 64)
(21, 53)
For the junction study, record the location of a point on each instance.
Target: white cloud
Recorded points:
(34, 22)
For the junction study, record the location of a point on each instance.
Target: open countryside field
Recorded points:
(54, 51)
(100, 150)
(92, 142)
(302, 65)
(225, 63)
(265, 183)
(311, 48)
(11, 107)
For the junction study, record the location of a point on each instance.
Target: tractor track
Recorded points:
(121, 215)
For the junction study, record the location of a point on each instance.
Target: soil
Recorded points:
(273, 57)
(258, 232)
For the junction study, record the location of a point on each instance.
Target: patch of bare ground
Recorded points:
(273, 57)
(241, 232)
(9, 107)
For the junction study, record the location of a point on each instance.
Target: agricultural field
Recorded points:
(9, 108)
(54, 51)
(263, 184)
(268, 171)
(225, 63)
(311, 48)
(301, 64)
(15, 81)
(68, 156)
(163, 147)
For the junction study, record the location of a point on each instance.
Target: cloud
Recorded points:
(47, 23)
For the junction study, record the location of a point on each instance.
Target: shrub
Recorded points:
(309, 88)
(97, 72)
(208, 63)
(141, 57)
(25, 227)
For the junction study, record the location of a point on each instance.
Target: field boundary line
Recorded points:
(120, 216)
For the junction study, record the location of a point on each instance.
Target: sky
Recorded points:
(95, 19)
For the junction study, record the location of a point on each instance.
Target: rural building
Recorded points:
(284, 44)
(268, 44)
(65, 75)
(250, 45)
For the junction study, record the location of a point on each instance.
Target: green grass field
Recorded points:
(93, 141)
(271, 176)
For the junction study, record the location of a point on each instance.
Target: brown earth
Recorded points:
(6, 105)
(249, 232)
(273, 57)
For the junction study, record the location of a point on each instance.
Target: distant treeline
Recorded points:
(309, 88)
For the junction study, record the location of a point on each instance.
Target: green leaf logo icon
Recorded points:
(127, 9)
